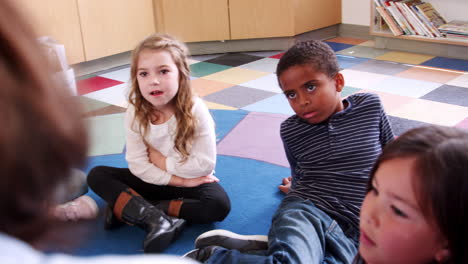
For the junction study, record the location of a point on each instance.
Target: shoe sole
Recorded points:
(189, 254)
(110, 220)
(160, 243)
(230, 240)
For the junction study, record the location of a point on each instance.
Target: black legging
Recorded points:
(205, 203)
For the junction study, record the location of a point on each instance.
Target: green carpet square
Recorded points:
(201, 69)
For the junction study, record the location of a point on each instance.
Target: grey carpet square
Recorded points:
(381, 67)
(401, 125)
(264, 53)
(206, 57)
(234, 59)
(238, 96)
(449, 94)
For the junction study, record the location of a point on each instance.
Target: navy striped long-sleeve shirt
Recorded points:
(331, 161)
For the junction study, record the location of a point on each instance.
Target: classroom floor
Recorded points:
(247, 105)
(415, 88)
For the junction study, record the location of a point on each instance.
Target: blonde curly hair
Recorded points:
(183, 100)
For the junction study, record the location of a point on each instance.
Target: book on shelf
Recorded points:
(391, 8)
(431, 14)
(377, 3)
(435, 32)
(403, 17)
(415, 30)
(457, 36)
(410, 17)
(392, 24)
(455, 27)
(413, 18)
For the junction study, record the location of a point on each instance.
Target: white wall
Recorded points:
(357, 12)
(451, 9)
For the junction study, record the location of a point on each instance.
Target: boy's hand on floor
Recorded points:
(286, 185)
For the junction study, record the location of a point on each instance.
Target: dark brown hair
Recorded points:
(42, 134)
(315, 53)
(441, 182)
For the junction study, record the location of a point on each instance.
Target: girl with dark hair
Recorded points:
(416, 208)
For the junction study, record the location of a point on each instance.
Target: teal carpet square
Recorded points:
(201, 69)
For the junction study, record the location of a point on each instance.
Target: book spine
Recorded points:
(409, 19)
(389, 20)
(431, 14)
(435, 32)
(405, 20)
(426, 32)
(397, 16)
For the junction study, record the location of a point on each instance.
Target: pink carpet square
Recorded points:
(256, 137)
(95, 84)
(391, 102)
(463, 124)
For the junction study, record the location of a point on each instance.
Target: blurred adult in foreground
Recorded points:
(41, 139)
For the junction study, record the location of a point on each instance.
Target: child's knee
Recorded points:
(95, 176)
(216, 210)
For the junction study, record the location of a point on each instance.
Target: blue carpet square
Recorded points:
(348, 90)
(349, 61)
(447, 63)
(277, 104)
(226, 120)
(338, 46)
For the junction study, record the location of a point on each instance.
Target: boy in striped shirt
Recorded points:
(331, 145)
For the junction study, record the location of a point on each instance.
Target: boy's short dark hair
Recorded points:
(314, 52)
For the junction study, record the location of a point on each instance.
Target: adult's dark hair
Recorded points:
(42, 134)
(441, 182)
(313, 52)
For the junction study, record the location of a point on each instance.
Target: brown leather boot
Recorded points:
(170, 207)
(161, 229)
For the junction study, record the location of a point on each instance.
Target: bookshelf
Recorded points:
(378, 31)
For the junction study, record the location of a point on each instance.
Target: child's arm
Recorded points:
(137, 155)
(192, 182)
(287, 182)
(202, 159)
(386, 132)
(159, 160)
(141, 165)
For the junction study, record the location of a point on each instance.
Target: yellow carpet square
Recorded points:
(404, 57)
(235, 76)
(212, 105)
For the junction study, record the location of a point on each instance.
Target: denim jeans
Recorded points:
(299, 233)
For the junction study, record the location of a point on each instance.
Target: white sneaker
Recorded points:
(83, 207)
(230, 240)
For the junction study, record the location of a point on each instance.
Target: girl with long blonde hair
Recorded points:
(171, 150)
